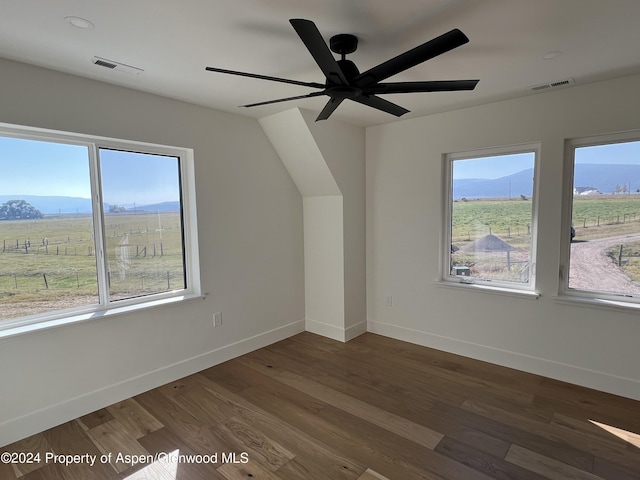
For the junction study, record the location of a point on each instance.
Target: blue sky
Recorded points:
(627, 153)
(43, 168)
(492, 167)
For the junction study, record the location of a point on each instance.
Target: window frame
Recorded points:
(591, 297)
(105, 307)
(446, 278)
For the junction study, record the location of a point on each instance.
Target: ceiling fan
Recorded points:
(344, 81)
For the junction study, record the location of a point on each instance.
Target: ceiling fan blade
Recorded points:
(266, 77)
(381, 104)
(311, 37)
(417, 87)
(329, 108)
(298, 97)
(411, 58)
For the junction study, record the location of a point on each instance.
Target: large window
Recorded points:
(489, 229)
(89, 224)
(602, 218)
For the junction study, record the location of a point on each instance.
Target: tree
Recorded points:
(116, 209)
(19, 210)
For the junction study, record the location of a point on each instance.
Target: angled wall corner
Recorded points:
(326, 162)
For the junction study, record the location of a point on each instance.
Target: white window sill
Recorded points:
(474, 287)
(30, 326)
(602, 303)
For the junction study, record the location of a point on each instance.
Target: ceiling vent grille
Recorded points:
(118, 67)
(559, 83)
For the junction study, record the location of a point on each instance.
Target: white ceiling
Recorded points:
(173, 41)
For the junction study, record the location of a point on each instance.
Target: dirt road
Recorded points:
(592, 269)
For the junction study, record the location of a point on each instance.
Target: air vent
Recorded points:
(559, 83)
(118, 67)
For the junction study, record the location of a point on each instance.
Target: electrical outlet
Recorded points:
(217, 319)
(389, 301)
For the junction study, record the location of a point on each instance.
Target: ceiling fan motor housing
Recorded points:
(343, 43)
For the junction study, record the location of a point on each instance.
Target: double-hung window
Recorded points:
(92, 224)
(601, 222)
(490, 217)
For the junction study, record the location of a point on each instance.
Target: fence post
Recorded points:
(620, 257)
(46, 284)
(168, 284)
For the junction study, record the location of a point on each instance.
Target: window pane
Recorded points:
(47, 251)
(142, 223)
(605, 248)
(491, 217)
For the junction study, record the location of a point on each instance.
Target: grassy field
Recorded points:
(53, 258)
(593, 217)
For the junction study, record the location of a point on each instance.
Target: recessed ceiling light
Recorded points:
(79, 22)
(551, 55)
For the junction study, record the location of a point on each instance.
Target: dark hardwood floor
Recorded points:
(374, 408)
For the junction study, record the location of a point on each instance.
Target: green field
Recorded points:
(593, 217)
(53, 259)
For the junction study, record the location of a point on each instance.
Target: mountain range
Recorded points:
(605, 178)
(51, 204)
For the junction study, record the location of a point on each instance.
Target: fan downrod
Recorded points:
(343, 44)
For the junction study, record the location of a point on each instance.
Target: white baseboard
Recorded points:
(334, 332)
(325, 329)
(626, 387)
(17, 428)
(355, 331)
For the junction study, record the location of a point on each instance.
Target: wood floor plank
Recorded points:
(255, 405)
(203, 406)
(70, 438)
(371, 475)
(232, 471)
(374, 408)
(405, 428)
(545, 466)
(477, 459)
(437, 363)
(47, 472)
(256, 380)
(113, 438)
(604, 441)
(133, 418)
(197, 436)
(6, 469)
(408, 398)
(612, 471)
(248, 440)
(401, 458)
(95, 418)
(164, 441)
(35, 447)
(553, 447)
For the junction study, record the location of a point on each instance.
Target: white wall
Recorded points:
(343, 148)
(324, 265)
(593, 347)
(326, 161)
(251, 256)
